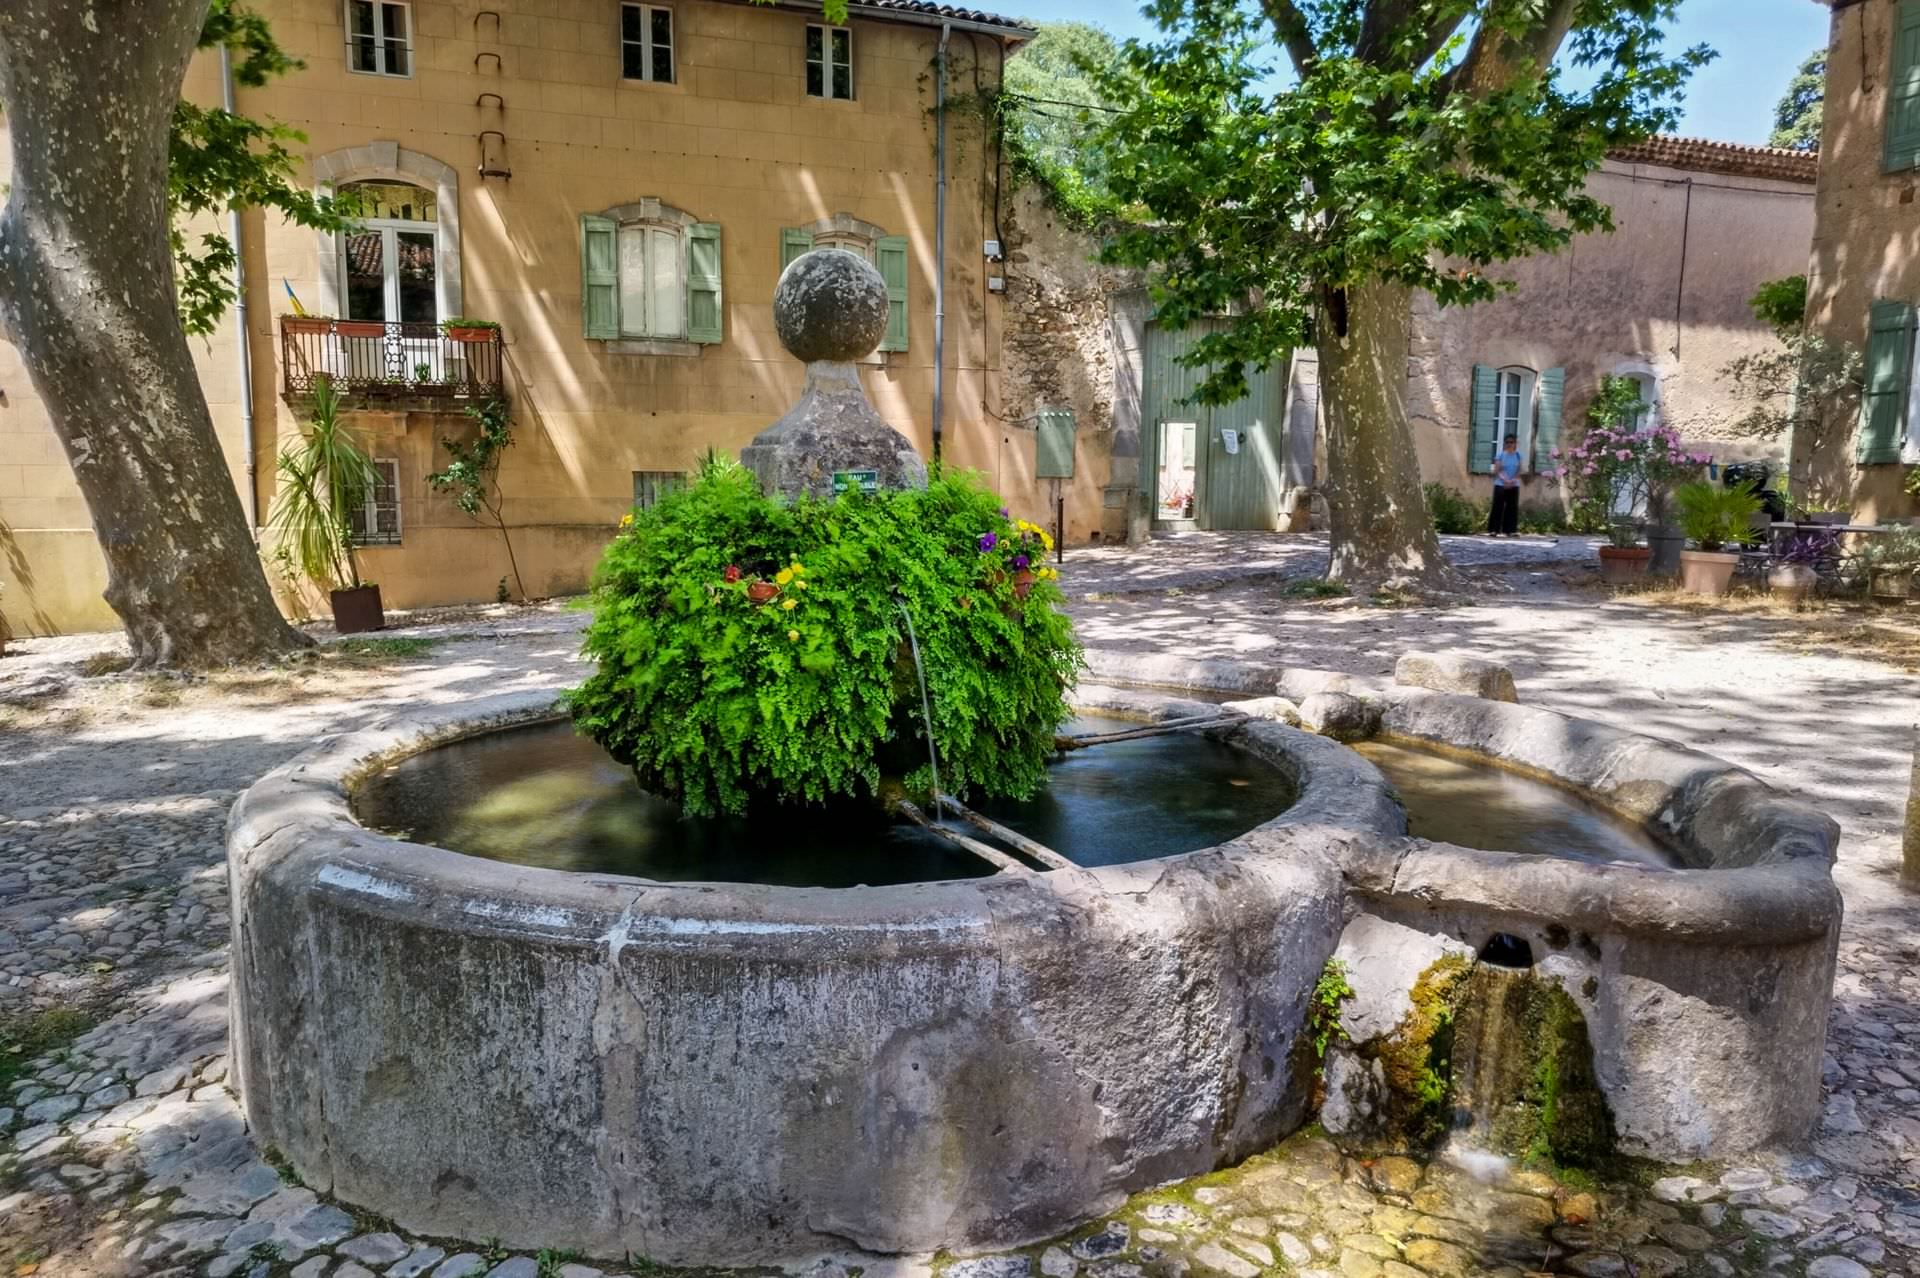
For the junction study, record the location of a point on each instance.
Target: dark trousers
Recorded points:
(1505, 515)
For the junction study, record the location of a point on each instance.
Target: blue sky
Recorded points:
(1760, 43)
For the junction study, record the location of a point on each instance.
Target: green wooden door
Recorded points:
(1212, 467)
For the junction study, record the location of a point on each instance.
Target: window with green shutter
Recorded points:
(1483, 420)
(651, 272)
(599, 276)
(703, 283)
(1552, 399)
(890, 255)
(1903, 90)
(1889, 381)
(794, 243)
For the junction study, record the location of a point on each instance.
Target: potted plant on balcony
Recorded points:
(462, 329)
(1891, 560)
(306, 324)
(325, 477)
(1712, 517)
(360, 328)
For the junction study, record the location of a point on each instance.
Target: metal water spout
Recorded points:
(926, 708)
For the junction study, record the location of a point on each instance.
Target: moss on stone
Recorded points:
(1417, 1057)
(1529, 1079)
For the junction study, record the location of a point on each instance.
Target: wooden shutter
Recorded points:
(599, 276)
(1546, 426)
(1883, 408)
(890, 255)
(1482, 420)
(1903, 90)
(703, 283)
(794, 242)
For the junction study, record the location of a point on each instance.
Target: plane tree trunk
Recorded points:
(87, 295)
(1380, 529)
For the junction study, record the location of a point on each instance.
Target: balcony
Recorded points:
(402, 366)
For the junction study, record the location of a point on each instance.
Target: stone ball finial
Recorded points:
(830, 305)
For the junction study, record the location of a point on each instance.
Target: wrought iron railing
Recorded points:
(372, 360)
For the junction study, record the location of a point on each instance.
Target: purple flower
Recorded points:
(987, 542)
(1005, 513)
(1020, 561)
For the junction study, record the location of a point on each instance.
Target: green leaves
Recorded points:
(753, 650)
(1386, 161)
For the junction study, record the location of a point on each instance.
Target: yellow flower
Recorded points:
(793, 636)
(626, 521)
(783, 576)
(797, 568)
(800, 584)
(789, 604)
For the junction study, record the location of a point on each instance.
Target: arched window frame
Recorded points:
(1518, 390)
(391, 162)
(1648, 378)
(887, 253)
(606, 295)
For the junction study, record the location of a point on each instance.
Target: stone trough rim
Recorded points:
(303, 810)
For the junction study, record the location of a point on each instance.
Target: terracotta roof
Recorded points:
(1706, 156)
(954, 12)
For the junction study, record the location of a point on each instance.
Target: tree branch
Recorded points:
(1496, 58)
(1290, 27)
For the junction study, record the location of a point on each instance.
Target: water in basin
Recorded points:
(1479, 805)
(545, 796)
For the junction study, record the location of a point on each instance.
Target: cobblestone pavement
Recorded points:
(122, 1153)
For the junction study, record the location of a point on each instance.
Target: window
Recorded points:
(650, 272)
(379, 37)
(1514, 401)
(377, 520)
(646, 42)
(649, 486)
(1903, 90)
(829, 62)
(387, 261)
(888, 253)
(1886, 408)
(1649, 397)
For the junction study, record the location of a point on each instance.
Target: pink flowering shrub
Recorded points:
(1614, 468)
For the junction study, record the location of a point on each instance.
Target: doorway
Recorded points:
(1215, 467)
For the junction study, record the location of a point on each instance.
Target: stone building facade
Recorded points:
(1698, 226)
(1863, 281)
(619, 186)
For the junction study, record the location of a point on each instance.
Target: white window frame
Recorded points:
(649, 228)
(359, 534)
(827, 64)
(381, 40)
(848, 242)
(646, 45)
(1524, 393)
(1910, 444)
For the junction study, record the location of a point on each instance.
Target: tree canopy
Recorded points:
(1050, 97)
(220, 160)
(1796, 121)
(1425, 141)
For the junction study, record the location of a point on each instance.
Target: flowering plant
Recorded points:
(1023, 549)
(1616, 469)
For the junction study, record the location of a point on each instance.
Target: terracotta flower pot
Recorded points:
(1022, 583)
(305, 323)
(1792, 583)
(761, 592)
(357, 609)
(1707, 572)
(470, 334)
(1624, 565)
(360, 328)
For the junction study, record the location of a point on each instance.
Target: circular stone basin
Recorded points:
(716, 1073)
(543, 795)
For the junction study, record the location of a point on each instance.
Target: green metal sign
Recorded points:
(855, 481)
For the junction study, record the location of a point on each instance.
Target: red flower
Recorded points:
(733, 573)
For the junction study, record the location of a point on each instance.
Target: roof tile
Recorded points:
(1707, 156)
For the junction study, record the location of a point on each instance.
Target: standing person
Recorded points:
(1504, 519)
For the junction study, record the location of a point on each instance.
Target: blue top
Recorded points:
(1506, 470)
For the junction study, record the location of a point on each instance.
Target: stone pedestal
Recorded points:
(830, 309)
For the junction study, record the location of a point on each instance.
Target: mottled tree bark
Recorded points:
(1380, 528)
(87, 294)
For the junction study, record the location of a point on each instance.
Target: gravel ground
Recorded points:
(122, 1153)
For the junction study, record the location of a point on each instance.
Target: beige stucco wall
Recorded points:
(1615, 303)
(1866, 241)
(734, 141)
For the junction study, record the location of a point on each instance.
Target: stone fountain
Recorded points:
(830, 310)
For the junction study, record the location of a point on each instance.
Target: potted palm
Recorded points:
(324, 478)
(1712, 517)
(1891, 560)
